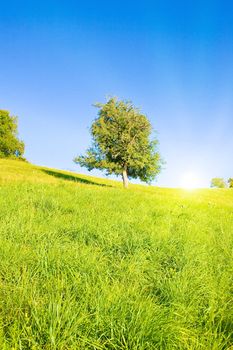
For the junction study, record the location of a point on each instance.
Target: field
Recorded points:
(85, 264)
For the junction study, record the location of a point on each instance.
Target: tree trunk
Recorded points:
(125, 178)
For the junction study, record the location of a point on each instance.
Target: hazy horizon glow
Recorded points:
(172, 59)
(190, 181)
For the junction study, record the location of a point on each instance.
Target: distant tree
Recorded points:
(122, 144)
(218, 182)
(10, 145)
(230, 182)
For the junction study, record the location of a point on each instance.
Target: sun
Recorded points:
(190, 181)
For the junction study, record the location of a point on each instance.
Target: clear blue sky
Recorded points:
(174, 59)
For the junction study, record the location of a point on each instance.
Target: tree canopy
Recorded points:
(218, 182)
(230, 182)
(122, 143)
(10, 145)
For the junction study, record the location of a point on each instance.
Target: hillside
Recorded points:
(85, 264)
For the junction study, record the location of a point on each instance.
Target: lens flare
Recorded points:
(190, 181)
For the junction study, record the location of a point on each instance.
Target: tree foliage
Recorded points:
(10, 145)
(230, 182)
(121, 143)
(218, 182)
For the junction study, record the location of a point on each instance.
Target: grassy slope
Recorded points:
(85, 264)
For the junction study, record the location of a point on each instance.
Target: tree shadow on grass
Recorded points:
(73, 178)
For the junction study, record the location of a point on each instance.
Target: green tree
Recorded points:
(10, 145)
(230, 182)
(218, 182)
(122, 144)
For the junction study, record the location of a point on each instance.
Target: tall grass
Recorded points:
(85, 264)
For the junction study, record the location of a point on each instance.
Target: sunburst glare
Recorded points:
(190, 181)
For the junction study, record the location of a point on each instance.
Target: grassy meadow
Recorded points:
(85, 264)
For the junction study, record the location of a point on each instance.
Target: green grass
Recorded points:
(85, 264)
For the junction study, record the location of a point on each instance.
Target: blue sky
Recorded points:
(174, 59)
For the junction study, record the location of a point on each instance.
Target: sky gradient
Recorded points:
(173, 59)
